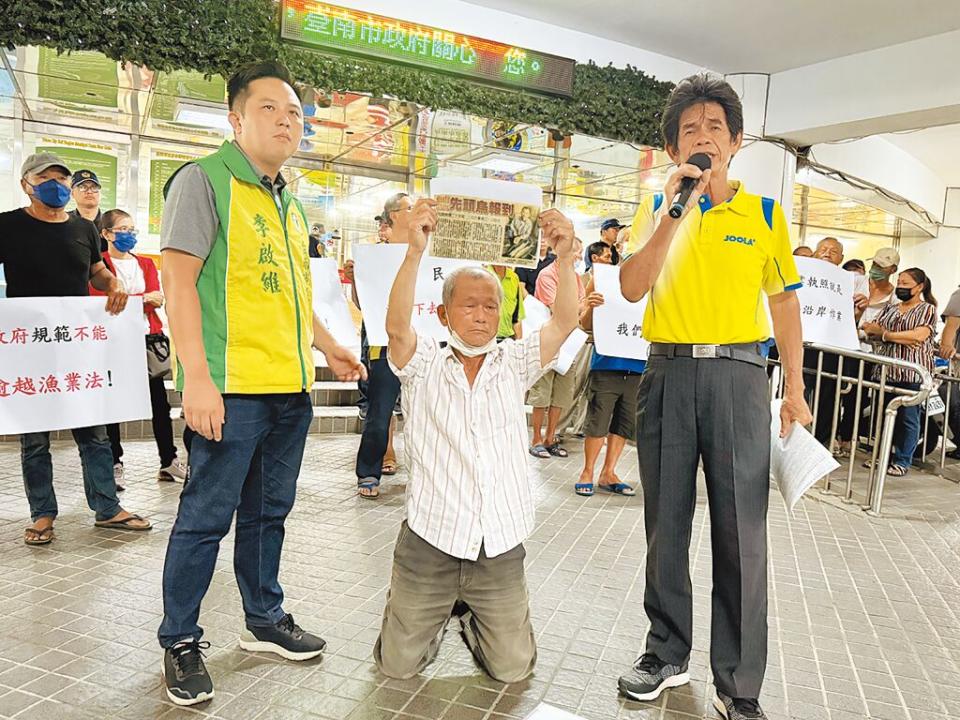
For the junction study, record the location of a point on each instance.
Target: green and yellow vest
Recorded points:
(255, 286)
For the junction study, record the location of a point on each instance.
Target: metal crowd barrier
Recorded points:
(881, 422)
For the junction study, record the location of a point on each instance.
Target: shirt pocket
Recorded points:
(494, 410)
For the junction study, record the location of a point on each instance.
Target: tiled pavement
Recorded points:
(863, 611)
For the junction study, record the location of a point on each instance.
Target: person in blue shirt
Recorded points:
(612, 389)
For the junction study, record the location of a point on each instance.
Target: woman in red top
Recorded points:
(139, 277)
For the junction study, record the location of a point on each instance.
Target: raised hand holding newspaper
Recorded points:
(487, 221)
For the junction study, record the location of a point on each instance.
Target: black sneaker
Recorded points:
(738, 708)
(286, 639)
(185, 675)
(650, 676)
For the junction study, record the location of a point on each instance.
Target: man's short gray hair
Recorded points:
(474, 272)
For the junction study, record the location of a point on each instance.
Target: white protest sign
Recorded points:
(376, 266)
(617, 324)
(537, 315)
(329, 302)
(66, 363)
(826, 304)
(568, 351)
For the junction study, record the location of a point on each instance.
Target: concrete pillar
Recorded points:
(765, 168)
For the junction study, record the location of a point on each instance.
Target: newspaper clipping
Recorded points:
(487, 221)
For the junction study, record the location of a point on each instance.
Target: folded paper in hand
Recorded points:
(798, 461)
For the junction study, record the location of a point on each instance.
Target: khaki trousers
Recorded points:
(427, 583)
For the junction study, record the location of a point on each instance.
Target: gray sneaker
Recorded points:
(650, 676)
(738, 708)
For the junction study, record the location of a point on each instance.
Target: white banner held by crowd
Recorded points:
(375, 268)
(486, 220)
(826, 304)
(329, 302)
(617, 324)
(67, 363)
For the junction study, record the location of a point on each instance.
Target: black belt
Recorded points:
(744, 352)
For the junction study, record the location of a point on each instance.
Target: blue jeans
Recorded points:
(906, 430)
(382, 390)
(252, 472)
(96, 462)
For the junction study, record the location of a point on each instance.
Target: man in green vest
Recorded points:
(236, 272)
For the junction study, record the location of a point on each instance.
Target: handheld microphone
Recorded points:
(688, 184)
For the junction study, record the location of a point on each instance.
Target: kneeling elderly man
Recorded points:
(469, 503)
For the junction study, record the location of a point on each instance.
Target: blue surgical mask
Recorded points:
(52, 193)
(124, 241)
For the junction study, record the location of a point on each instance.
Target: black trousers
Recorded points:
(162, 426)
(828, 390)
(717, 411)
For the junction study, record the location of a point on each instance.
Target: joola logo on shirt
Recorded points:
(739, 239)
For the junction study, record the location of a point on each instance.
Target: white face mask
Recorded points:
(579, 266)
(458, 343)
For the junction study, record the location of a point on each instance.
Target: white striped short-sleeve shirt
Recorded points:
(467, 447)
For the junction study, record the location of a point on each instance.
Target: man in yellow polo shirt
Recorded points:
(704, 397)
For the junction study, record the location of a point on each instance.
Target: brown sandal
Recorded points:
(389, 466)
(35, 536)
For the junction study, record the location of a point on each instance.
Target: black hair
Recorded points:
(920, 277)
(111, 216)
(695, 90)
(597, 249)
(240, 80)
(854, 265)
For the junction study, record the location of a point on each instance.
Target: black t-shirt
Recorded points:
(42, 259)
(98, 222)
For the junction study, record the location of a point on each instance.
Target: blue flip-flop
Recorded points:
(539, 451)
(620, 488)
(583, 489)
(369, 484)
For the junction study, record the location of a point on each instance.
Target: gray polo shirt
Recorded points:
(190, 222)
(953, 310)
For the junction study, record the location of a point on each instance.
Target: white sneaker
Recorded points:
(174, 472)
(118, 477)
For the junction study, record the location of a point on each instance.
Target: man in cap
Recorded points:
(867, 305)
(609, 231)
(47, 253)
(85, 189)
(317, 237)
(882, 267)
(376, 456)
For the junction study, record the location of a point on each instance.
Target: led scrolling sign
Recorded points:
(336, 29)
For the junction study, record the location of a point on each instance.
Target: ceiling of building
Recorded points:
(747, 35)
(937, 147)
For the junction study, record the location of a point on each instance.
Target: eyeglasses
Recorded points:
(126, 229)
(88, 188)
